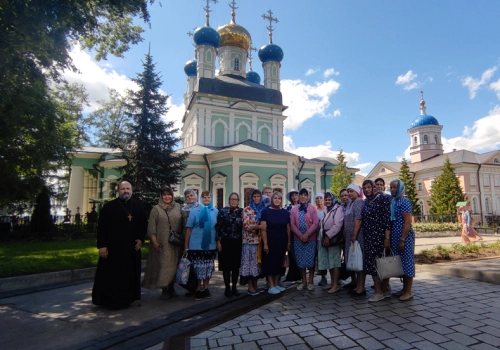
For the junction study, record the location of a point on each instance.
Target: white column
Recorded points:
(75, 194)
(254, 128)
(231, 128)
(236, 179)
(85, 203)
(201, 124)
(208, 127)
(289, 172)
(318, 180)
(481, 194)
(275, 134)
(493, 196)
(280, 135)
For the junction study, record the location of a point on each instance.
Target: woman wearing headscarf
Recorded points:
(469, 234)
(403, 237)
(319, 201)
(293, 273)
(376, 225)
(229, 228)
(200, 243)
(190, 202)
(344, 198)
(250, 269)
(353, 232)
(304, 224)
(330, 227)
(163, 257)
(275, 222)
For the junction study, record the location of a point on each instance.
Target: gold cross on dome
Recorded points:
(207, 10)
(271, 19)
(232, 5)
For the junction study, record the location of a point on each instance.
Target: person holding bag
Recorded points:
(354, 233)
(331, 240)
(403, 237)
(163, 257)
(377, 230)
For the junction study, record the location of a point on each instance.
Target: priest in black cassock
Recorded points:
(121, 230)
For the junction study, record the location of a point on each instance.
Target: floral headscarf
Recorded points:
(257, 208)
(188, 206)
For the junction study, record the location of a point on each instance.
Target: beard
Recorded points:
(125, 196)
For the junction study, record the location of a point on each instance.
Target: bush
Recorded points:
(436, 227)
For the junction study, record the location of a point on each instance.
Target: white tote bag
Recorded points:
(355, 262)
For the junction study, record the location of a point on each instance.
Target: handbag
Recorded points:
(336, 240)
(388, 266)
(183, 270)
(286, 261)
(355, 260)
(175, 237)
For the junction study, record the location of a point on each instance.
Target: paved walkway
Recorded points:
(446, 313)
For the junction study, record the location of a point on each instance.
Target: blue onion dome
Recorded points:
(422, 120)
(190, 68)
(233, 34)
(271, 52)
(206, 36)
(253, 77)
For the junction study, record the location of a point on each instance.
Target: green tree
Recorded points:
(36, 37)
(110, 121)
(152, 163)
(341, 177)
(41, 220)
(411, 193)
(446, 191)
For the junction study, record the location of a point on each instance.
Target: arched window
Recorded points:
(219, 135)
(474, 205)
(419, 186)
(243, 134)
(415, 142)
(487, 205)
(236, 64)
(208, 57)
(421, 205)
(426, 139)
(435, 139)
(382, 170)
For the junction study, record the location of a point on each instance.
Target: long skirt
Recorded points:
(250, 269)
(272, 262)
(203, 262)
(328, 257)
(304, 254)
(470, 235)
(230, 256)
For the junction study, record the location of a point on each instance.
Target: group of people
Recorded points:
(263, 239)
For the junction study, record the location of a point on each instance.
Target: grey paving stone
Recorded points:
(260, 328)
(466, 330)
(355, 333)
(490, 330)
(342, 342)
(452, 308)
(440, 329)
(226, 347)
(268, 321)
(380, 334)
(426, 345)
(247, 346)
(303, 321)
(212, 343)
(453, 346)
(267, 341)
(413, 327)
(365, 326)
(366, 317)
(433, 337)
(462, 339)
(253, 336)
(284, 324)
(444, 321)
(308, 314)
(221, 334)
(290, 339)
(344, 326)
(316, 341)
(240, 331)
(206, 334)
(302, 346)
(199, 347)
(235, 339)
(286, 318)
(489, 339)
(324, 324)
(345, 320)
(388, 326)
(470, 323)
(422, 321)
(495, 316)
(483, 346)
(370, 343)
(279, 332)
(330, 332)
(490, 322)
(274, 346)
(250, 323)
(448, 315)
(408, 336)
(302, 328)
(197, 342)
(396, 344)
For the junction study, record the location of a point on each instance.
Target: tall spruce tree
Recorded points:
(446, 191)
(411, 193)
(152, 163)
(341, 177)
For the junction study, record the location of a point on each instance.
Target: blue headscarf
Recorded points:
(257, 208)
(399, 193)
(303, 206)
(266, 200)
(206, 225)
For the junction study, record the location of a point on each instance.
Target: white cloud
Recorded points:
(405, 155)
(330, 71)
(484, 135)
(324, 150)
(364, 168)
(306, 101)
(311, 71)
(496, 87)
(406, 78)
(336, 113)
(473, 84)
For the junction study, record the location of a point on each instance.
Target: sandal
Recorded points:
(398, 294)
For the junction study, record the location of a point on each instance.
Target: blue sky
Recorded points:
(352, 70)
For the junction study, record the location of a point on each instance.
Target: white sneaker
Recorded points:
(376, 297)
(388, 294)
(300, 286)
(310, 287)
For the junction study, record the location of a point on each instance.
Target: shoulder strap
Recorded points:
(169, 224)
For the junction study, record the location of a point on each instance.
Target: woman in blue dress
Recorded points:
(403, 237)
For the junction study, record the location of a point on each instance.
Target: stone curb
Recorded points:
(457, 269)
(10, 284)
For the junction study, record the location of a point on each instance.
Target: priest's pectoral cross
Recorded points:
(129, 217)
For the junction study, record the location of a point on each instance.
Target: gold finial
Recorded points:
(271, 19)
(250, 56)
(232, 5)
(207, 10)
(423, 110)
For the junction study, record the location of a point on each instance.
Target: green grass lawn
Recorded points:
(25, 258)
